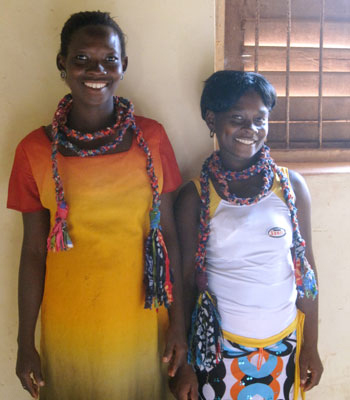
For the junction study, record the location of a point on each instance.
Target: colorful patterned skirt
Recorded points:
(254, 369)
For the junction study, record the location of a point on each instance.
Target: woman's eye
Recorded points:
(112, 59)
(237, 118)
(81, 57)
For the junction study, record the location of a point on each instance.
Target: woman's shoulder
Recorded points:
(297, 181)
(146, 122)
(149, 126)
(300, 188)
(34, 139)
(188, 198)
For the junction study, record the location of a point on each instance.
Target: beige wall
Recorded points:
(171, 51)
(330, 220)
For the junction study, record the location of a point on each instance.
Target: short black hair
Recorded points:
(223, 89)
(85, 18)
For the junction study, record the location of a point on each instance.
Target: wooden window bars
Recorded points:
(303, 49)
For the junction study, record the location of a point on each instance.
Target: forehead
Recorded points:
(95, 36)
(250, 100)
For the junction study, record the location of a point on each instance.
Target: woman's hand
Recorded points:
(311, 367)
(28, 370)
(184, 386)
(175, 350)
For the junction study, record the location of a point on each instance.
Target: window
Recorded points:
(303, 49)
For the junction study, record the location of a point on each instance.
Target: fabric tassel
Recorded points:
(205, 341)
(304, 275)
(158, 278)
(59, 237)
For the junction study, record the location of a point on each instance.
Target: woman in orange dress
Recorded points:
(98, 182)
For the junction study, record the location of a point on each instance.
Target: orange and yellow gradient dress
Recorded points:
(97, 340)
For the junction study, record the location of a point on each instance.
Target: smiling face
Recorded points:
(93, 64)
(241, 131)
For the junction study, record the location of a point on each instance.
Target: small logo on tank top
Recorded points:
(277, 232)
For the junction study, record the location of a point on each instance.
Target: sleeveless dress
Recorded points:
(250, 271)
(97, 340)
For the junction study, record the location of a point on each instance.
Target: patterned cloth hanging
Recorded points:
(206, 335)
(158, 278)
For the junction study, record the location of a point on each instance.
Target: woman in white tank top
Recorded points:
(248, 283)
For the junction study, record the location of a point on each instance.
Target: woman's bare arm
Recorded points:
(310, 364)
(187, 210)
(30, 291)
(176, 347)
(184, 386)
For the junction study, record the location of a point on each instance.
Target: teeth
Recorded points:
(95, 85)
(245, 141)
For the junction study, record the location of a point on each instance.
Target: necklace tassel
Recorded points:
(158, 278)
(205, 341)
(59, 238)
(305, 278)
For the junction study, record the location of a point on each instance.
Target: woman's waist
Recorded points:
(256, 323)
(249, 305)
(295, 321)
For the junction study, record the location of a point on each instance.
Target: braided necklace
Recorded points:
(206, 334)
(157, 274)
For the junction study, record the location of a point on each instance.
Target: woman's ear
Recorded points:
(125, 63)
(210, 120)
(60, 62)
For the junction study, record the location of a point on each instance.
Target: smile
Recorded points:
(245, 141)
(95, 85)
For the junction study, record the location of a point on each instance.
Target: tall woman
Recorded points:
(249, 276)
(95, 187)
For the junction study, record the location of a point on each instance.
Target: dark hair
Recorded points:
(223, 89)
(85, 18)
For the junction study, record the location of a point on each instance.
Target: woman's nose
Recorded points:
(250, 125)
(97, 67)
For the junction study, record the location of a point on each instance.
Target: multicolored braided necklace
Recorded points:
(157, 274)
(206, 335)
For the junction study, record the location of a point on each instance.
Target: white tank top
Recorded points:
(249, 264)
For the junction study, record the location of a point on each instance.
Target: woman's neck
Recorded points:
(89, 119)
(231, 163)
